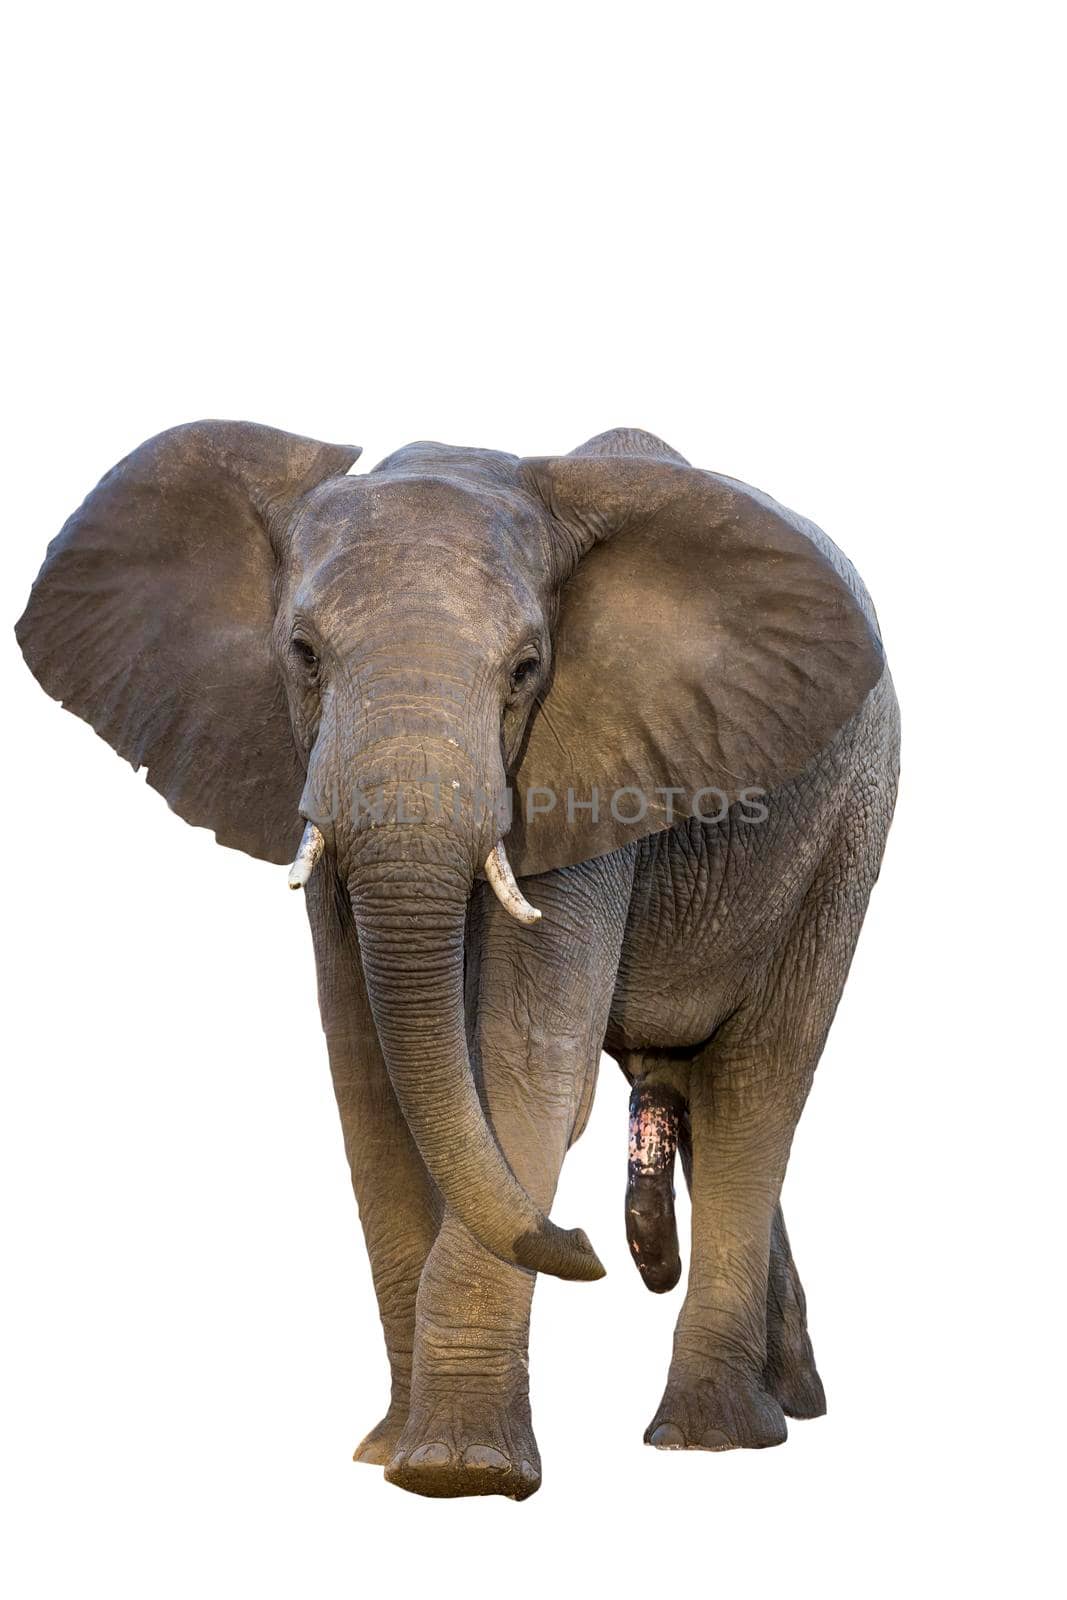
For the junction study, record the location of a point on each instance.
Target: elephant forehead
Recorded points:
(401, 504)
(417, 539)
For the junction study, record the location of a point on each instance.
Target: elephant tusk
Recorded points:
(498, 871)
(311, 847)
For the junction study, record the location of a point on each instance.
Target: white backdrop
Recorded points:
(814, 247)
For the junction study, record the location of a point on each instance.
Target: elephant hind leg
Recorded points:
(660, 1128)
(746, 1092)
(789, 1372)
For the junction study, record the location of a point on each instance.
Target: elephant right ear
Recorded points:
(709, 644)
(152, 618)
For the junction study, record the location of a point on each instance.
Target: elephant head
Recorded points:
(388, 656)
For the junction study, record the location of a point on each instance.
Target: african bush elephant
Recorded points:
(670, 695)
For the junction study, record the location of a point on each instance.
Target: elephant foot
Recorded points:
(792, 1378)
(378, 1447)
(465, 1446)
(718, 1409)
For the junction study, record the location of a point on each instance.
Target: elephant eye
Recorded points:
(524, 670)
(305, 655)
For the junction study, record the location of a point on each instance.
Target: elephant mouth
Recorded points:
(497, 870)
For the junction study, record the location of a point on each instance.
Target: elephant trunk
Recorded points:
(409, 883)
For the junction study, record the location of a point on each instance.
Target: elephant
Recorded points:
(569, 754)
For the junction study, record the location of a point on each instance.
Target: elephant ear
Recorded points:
(707, 640)
(152, 619)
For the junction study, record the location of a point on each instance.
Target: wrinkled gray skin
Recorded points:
(401, 623)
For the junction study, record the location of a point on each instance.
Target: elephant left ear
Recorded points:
(709, 642)
(152, 619)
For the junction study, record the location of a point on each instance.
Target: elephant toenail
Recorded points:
(713, 1440)
(483, 1455)
(667, 1437)
(430, 1455)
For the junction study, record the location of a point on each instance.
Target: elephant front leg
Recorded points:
(399, 1214)
(469, 1429)
(398, 1207)
(539, 1003)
